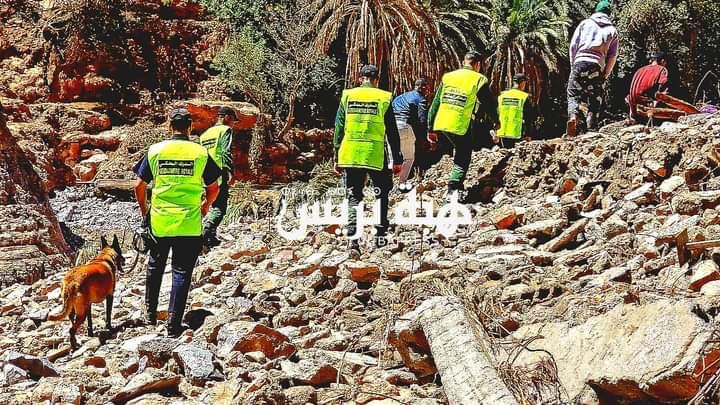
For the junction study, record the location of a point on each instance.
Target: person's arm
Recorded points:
(211, 174)
(393, 135)
(574, 43)
(489, 104)
(432, 113)
(140, 194)
(612, 57)
(663, 81)
(339, 126)
(422, 114)
(528, 119)
(145, 176)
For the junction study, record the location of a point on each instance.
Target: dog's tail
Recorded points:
(69, 292)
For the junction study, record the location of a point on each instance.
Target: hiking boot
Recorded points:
(590, 121)
(212, 241)
(571, 128)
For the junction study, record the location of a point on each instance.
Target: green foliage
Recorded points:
(244, 202)
(240, 14)
(276, 69)
(688, 31)
(529, 36)
(322, 180)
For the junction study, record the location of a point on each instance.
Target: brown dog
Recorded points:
(89, 284)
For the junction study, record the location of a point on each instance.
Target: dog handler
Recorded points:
(181, 172)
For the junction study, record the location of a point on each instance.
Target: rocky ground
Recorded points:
(566, 288)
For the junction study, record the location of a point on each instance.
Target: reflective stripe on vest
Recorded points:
(458, 101)
(511, 104)
(209, 140)
(177, 167)
(363, 143)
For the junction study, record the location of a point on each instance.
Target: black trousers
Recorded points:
(585, 85)
(185, 251)
(355, 184)
(461, 147)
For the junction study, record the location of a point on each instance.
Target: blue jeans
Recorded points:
(186, 250)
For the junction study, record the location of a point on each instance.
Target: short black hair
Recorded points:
(473, 57)
(369, 71)
(181, 126)
(519, 78)
(658, 56)
(420, 83)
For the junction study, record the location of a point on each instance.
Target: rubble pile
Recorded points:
(567, 287)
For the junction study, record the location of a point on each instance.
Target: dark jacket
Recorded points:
(411, 108)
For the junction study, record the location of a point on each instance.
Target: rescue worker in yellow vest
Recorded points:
(461, 102)
(515, 114)
(365, 121)
(181, 172)
(218, 141)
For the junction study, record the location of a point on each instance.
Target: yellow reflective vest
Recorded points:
(458, 101)
(177, 167)
(511, 104)
(363, 144)
(209, 140)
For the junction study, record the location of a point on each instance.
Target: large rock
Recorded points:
(30, 235)
(158, 351)
(654, 352)
(252, 337)
(204, 114)
(37, 367)
(703, 273)
(197, 363)
(151, 380)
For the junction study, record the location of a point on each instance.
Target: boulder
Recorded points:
(149, 381)
(158, 351)
(628, 353)
(37, 367)
(703, 273)
(196, 362)
(253, 337)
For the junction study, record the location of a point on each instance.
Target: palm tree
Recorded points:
(530, 37)
(406, 39)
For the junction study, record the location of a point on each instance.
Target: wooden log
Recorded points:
(666, 114)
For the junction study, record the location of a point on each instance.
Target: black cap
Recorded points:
(180, 114)
(225, 110)
(369, 71)
(519, 78)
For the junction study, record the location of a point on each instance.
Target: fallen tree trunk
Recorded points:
(676, 103)
(467, 374)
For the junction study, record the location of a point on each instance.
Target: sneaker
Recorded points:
(571, 128)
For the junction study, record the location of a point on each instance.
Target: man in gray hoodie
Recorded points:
(593, 53)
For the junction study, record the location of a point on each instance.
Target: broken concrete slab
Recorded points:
(627, 353)
(468, 375)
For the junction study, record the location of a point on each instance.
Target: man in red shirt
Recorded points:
(647, 81)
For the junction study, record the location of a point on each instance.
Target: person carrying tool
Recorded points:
(364, 123)
(181, 172)
(455, 112)
(593, 53)
(411, 118)
(647, 81)
(218, 141)
(515, 113)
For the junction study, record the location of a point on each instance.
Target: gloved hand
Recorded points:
(396, 169)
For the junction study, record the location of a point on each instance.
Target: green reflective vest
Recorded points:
(363, 144)
(177, 167)
(458, 101)
(511, 104)
(209, 140)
